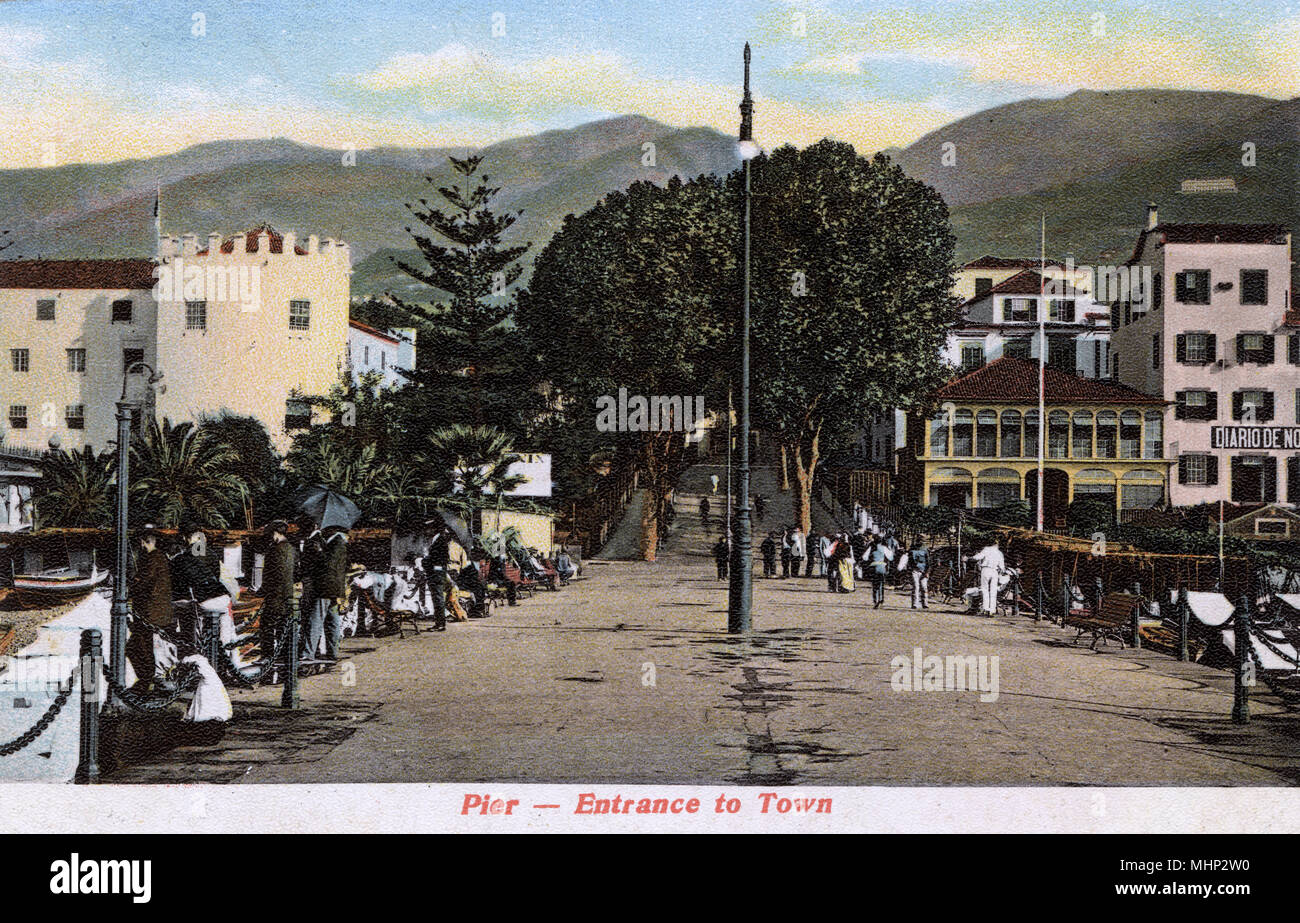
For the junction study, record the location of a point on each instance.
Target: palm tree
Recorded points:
(76, 488)
(478, 458)
(179, 469)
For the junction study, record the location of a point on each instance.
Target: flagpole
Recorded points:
(1042, 366)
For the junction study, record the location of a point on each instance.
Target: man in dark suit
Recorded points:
(278, 568)
(436, 562)
(329, 585)
(151, 606)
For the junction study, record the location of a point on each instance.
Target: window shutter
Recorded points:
(1211, 469)
(1270, 480)
(1212, 405)
(1180, 348)
(1182, 469)
(1268, 355)
(1180, 407)
(1236, 405)
(1241, 348)
(1293, 349)
(1211, 347)
(1266, 412)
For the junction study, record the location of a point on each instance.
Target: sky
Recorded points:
(102, 81)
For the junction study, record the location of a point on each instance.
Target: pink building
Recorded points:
(1216, 335)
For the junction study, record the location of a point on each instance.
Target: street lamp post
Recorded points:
(741, 586)
(121, 608)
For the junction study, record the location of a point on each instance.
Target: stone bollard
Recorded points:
(91, 667)
(1240, 688)
(1184, 612)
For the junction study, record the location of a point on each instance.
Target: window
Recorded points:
(1107, 434)
(365, 356)
(1255, 347)
(300, 316)
(1293, 349)
(1196, 348)
(1020, 309)
(1254, 286)
(196, 315)
(75, 416)
(76, 360)
(1252, 405)
(982, 287)
(1293, 479)
(121, 311)
(1058, 434)
(1157, 290)
(1017, 348)
(18, 416)
(1031, 434)
(939, 437)
(963, 435)
(1155, 350)
(1061, 309)
(1196, 405)
(1270, 527)
(297, 414)
(972, 357)
(1081, 435)
(1062, 354)
(986, 434)
(1010, 434)
(1198, 470)
(21, 359)
(45, 309)
(130, 356)
(1154, 444)
(1192, 287)
(1254, 479)
(1130, 434)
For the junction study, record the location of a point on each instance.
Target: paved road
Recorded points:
(629, 676)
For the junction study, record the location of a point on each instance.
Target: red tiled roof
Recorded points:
(373, 331)
(275, 242)
(1027, 282)
(59, 274)
(1010, 381)
(1212, 234)
(1000, 262)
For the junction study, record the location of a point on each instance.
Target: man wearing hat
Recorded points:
(151, 605)
(195, 583)
(277, 586)
(436, 562)
(329, 576)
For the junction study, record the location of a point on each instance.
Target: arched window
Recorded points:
(1107, 434)
(1010, 434)
(1130, 434)
(963, 434)
(1058, 434)
(939, 436)
(1031, 434)
(986, 434)
(1081, 435)
(1153, 446)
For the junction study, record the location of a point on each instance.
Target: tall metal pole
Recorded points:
(730, 496)
(117, 626)
(1042, 369)
(741, 586)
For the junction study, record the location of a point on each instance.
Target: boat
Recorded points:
(60, 584)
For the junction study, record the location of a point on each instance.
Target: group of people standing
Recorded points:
(318, 559)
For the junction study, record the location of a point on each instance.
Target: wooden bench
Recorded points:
(1112, 619)
(514, 575)
(940, 581)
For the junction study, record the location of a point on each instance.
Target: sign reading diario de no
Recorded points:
(1255, 437)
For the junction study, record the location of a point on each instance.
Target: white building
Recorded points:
(245, 325)
(383, 352)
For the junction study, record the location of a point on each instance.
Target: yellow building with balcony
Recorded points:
(980, 449)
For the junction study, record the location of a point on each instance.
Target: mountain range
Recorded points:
(1089, 161)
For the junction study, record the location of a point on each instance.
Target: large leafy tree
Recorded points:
(852, 273)
(254, 461)
(470, 362)
(75, 488)
(635, 293)
(179, 470)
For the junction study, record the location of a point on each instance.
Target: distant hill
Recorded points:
(1097, 218)
(1090, 162)
(106, 210)
(1037, 143)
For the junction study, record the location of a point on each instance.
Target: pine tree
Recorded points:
(472, 364)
